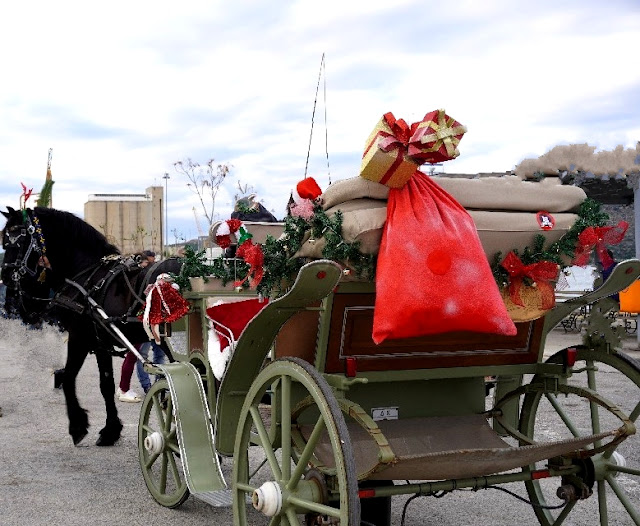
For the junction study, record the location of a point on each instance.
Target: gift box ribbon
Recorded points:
(445, 130)
(399, 139)
(540, 273)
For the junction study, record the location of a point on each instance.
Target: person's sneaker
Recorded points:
(129, 396)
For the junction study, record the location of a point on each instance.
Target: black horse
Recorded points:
(64, 271)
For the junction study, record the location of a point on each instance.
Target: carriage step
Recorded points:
(194, 432)
(218, 499)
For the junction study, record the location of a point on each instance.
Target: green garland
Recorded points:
(562, 251)
(280, 266)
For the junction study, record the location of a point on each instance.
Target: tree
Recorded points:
(582, 158)
(204, 181)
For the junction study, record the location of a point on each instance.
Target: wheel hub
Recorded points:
(267, 499)
(154, 443)
(619, 461)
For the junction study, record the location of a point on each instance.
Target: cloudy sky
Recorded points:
(122, 90)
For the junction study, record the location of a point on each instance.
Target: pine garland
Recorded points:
(560, 252)
(281, 267)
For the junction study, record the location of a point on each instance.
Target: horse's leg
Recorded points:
(76, 354)
(110, 433)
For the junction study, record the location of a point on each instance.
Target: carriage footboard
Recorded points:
(452, 447)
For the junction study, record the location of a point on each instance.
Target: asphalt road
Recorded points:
(45, 480)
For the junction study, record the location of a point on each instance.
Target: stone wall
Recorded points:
(626, 249)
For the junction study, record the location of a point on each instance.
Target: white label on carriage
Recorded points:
(384, 413)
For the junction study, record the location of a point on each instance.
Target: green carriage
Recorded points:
(324, 427)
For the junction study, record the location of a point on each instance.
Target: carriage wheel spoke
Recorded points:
(316, 507)
(563, 514)
(173, 446)
(633, 416)
(168, 412)
(274, 521)
(266, 444)
(159, 413)
(151, 460)
(285, 428)
(163, 473)
(619, 469)
(602, 503)
(562, 414)
(174, 470)
(624, 499)
(293, 518)
(148, 429)
(309, 448)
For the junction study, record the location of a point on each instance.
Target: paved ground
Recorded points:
(45, 480)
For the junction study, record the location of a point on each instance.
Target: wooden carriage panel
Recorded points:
(299, 336)
(352, 325)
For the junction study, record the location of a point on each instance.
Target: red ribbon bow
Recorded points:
(540, 273)
(26, 194)
(598, 238)
(400, 134)
(254, 257)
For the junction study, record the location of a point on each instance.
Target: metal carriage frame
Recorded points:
(306, 384)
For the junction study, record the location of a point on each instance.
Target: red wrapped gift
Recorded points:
(385, 158)
(436, 138)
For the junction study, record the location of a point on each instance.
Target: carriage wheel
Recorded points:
(158, 448)
(276, 479)
(614, 474)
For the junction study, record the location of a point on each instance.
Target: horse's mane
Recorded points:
(75, 231)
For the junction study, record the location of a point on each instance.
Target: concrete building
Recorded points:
(132, 222)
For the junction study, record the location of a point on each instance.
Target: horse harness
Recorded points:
(12, 239)
(84, 293)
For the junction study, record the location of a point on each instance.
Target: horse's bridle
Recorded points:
(13, 239)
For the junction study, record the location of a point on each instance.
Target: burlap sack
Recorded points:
(512, 193)
(362, 220)
(354, 188)
(486, 193)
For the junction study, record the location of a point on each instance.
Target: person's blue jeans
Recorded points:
(158, 357)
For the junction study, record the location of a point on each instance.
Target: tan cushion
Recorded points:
(362, 220)
(505, 231)
(353, 188)
(498, 231)
(485, 193)
(512, 193)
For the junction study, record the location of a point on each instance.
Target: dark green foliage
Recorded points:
(44, 199)
(560, 252)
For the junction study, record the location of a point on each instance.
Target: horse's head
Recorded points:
(27, 293)
(22, 246)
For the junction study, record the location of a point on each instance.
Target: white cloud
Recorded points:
(123, 91)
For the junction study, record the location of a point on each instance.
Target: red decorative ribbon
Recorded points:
(254, 257)
(26, 194)
(540, 273)
(599, 238)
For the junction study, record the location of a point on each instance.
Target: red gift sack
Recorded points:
(432, 274)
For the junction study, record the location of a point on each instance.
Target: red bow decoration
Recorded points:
(26, 194)
(254, 257)
(400, 134)
(598, 238)
(540, 273)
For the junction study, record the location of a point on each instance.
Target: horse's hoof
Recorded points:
(109, 436)
(78, 436)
